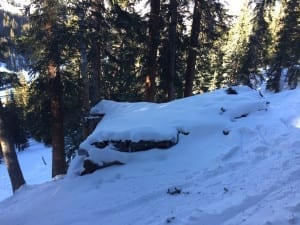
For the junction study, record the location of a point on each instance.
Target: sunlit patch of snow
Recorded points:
(296, 122)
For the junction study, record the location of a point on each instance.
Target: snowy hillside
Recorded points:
(238, 165)
(36, 166)
(13, 6)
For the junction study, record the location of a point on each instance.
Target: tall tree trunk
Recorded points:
(55, 90)
(95, 51)
(84, 68)
(154, 27)
(9, 154)
(192, 51)
(172, 49)
(86, 84)
(57, 129)
(96, 72)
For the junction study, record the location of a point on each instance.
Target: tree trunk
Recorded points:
(84, 68)
(55, 90)
(96, 72)
(172, 49)
(101, 26)
(154, 27)
(192, 52)
(58, 144)
(86, 84)
(9, 154)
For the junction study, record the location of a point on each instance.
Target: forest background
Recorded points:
(80, 52)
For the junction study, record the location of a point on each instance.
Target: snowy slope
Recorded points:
(32, 162)
(250, 176)
(13, 6)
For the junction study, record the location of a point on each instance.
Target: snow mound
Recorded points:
(203, 115)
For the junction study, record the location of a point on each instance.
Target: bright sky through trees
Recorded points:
(234, 6)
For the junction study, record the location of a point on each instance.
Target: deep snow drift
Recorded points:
(240, 164)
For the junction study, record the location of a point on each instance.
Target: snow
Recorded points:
(33, 167)
(14, 6)
(251, 176)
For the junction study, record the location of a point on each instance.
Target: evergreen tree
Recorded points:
(46, 37)
(10, 29)
(172, 50)
(236, 46)
(287, 50)
(257, 55)
(207, 27)
(125, 57)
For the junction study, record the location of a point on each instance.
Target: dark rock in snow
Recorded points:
(170, 219)
(90, 166)
(174, 191)
(100, 144)
(241, 116)
(143, 145)
(226, 132)
(231, 91)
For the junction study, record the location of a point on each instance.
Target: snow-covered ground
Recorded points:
(13, 6)
(239, 165)
(35, 163)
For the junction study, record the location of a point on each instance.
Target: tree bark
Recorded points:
(57, 129)
(84, 68)
(192, 51)
(95, 51)
(55, 90)
(172, 49)
(154, 27)
(9, 154)
(86, 84)
(96, 72)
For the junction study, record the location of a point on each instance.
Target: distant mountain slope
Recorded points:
(12, 20)
(13, 6)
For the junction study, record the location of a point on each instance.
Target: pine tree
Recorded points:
(287, 50)
(236, 46)
(125, 57)
(257, 55)
(47, 40)
(207, 27)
